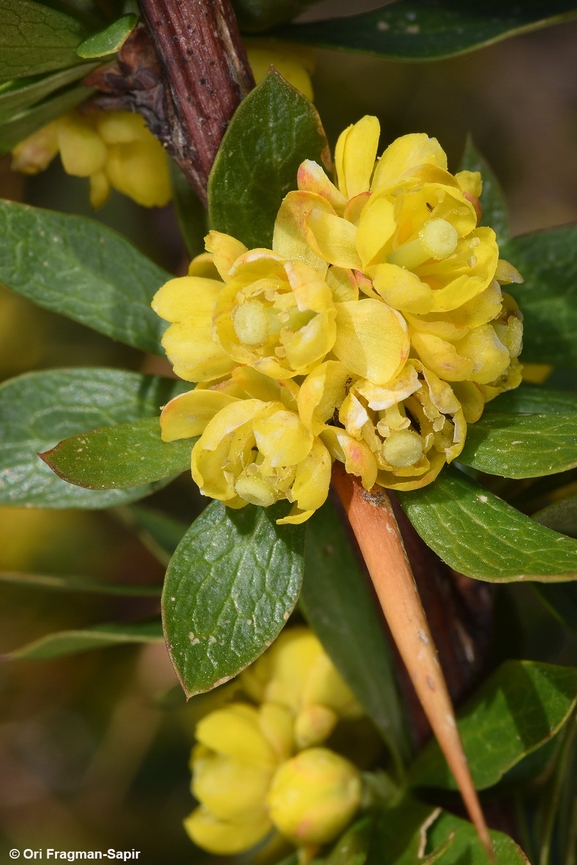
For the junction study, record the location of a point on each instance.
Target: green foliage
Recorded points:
(521, 446)
(256, 15)
(274, 129)
(35, 39)
(229, 589)
(529, 399)
(16, 96)
(81, 269)
(460, 843)
(430, 29)
(76, 584)
(548, 296)
(481, 536)
(82, 640)
(518, 709)
(338, 603)
(39, 409)
(109, 40)
(120, 456)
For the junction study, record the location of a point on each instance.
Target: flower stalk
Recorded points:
(375, 527)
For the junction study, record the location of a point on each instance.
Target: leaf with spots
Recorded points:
(229, 589)
(482, 536)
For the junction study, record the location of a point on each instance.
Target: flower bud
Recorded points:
(313, 796)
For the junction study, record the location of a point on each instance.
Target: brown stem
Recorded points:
(377, 532)
(206, 74)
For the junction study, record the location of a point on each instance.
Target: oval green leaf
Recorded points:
(120, 456)
(338, 603)
(430, 29)
(109, 40)
(81, 269)
(35, 39)
(63, 643)
(482, 536)
(548, 297)
(518, 709)
(229, 589)
(273, 130)
(521, 446)
(39, 409)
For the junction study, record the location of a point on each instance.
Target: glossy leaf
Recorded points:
(109, 40)
(82, 269)
(548, 297)
(35, 39)
(256, 15)
(120, 456)
(521, 446)
(529, 399)
(429, 29)
(82, 640)
(492, 200)
(518, 709)
(481, 536)
(341, 609)
(465, 845)
(76, 584)
(20, 126)
(352, 847)
(229, 589)
(39, 409)
(273, 130)
(23, 93)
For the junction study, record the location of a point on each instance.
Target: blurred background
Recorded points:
(94, 747)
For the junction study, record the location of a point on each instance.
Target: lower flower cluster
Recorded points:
(372, 332)
(262, 769)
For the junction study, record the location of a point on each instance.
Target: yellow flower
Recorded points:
(244, 774)
(313, 796)
(294, 63)
(250, 450)
(113, 149)
(297, 673)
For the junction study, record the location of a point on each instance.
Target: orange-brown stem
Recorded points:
(377, 532)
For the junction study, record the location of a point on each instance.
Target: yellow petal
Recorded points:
(314, 724)
(289, 236)
(506, 273)
(470, 396)
(356, 455)
(376, 227)
(326, 686)
(122, 127)
(193, 353)
(405, 154)
(203, 265)
(380, 398)
(442, 357)
(311, 177)
(225, 251)
(342, 284)
(230, 789)
(470, 181)
(277, 725)
(311, 485)
(81, 148)
(333, 239)
(285, 61)
(402, 289)
(99, 189)
(322, 392)
(36, 152)
(355, 155)
(188, 414)
(140, 170)
(282, 438)
(312, 342)
(225, 837)
(236, 735)
(393, 482)
(186, 296)
(372, 339)
(487, 354)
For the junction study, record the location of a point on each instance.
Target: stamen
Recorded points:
(438, 239)
(250, 323)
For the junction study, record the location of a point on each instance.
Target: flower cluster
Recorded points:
(257, 769)
(113, 149)
(372, 332)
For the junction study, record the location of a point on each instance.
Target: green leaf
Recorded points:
(352, 847)
(40, 408)
(518, 709)
(82, 269)
(429, 29)
(481, 536)
(340, 607)
(120, 456)
(465, 844)
(273, 130)
(109, 40)
(82, 640)
(160, 533)
(255, 15)
(521, 446)
(24, 124)
(398, 833)
(76, 584)
(529, 399)
(16, 96)
(229, 589)
(492, 200)
(560, 598)
(35, 39)
(548, 297)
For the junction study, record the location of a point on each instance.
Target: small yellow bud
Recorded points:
(403, 448)
(313, 796)
(314, 724)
